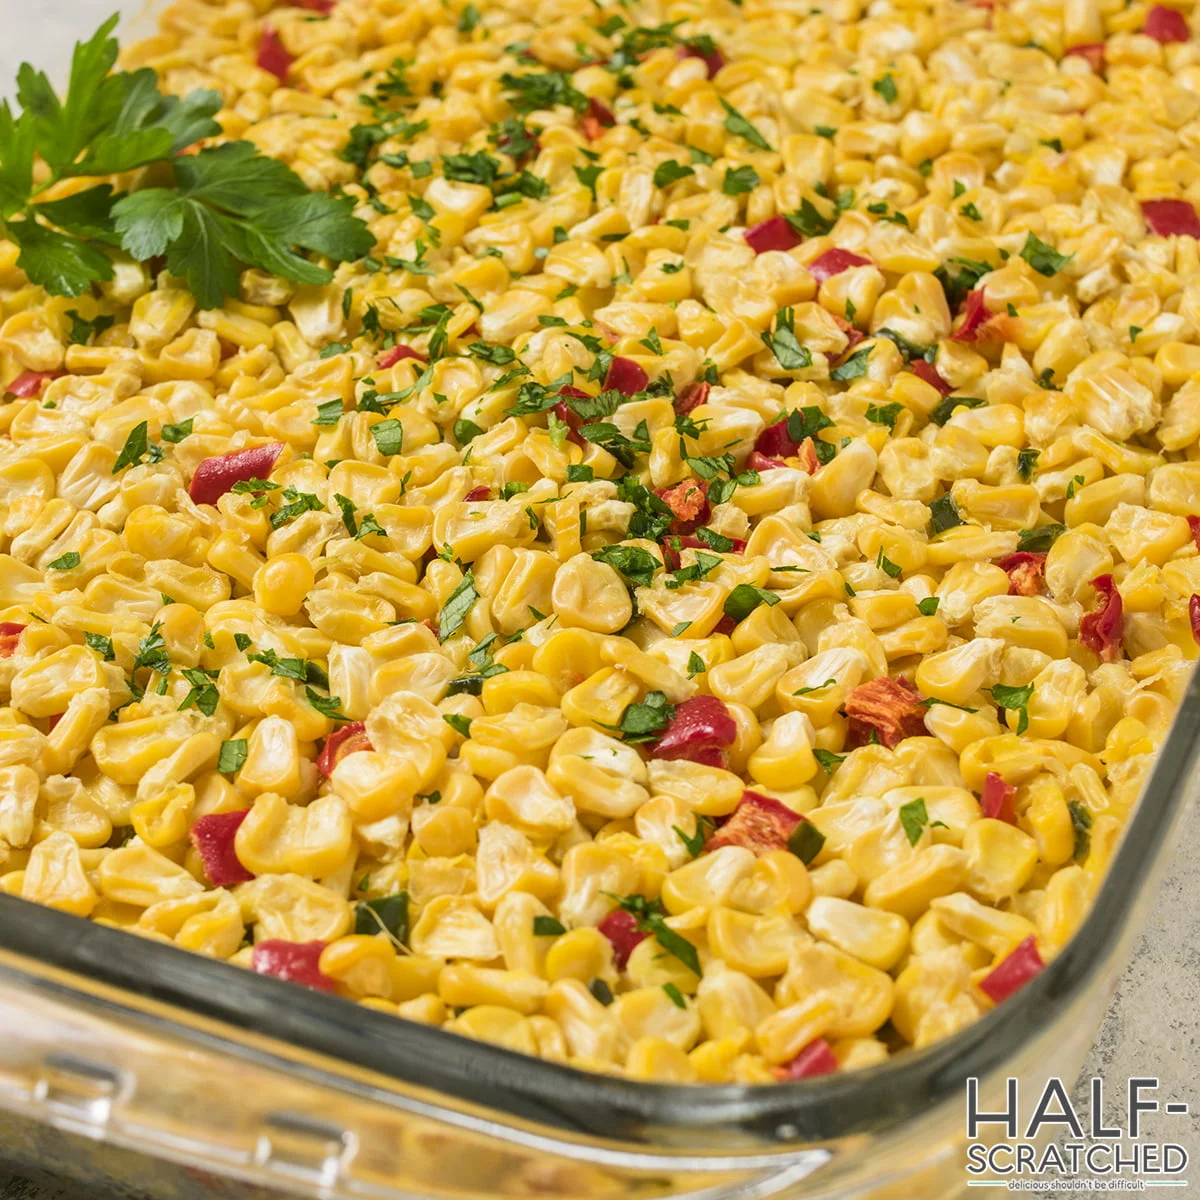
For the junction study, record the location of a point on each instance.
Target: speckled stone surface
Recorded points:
(1153, 1025)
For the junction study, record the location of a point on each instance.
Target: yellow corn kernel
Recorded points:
(910, 888)
(282, 584)
(861, 994)
(278, 837)
(876, 938)
(757, 946)
(54, 875)
(996, 931)
(1000, 859)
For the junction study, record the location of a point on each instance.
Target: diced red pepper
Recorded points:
(760, 462)
(569, 417)
(854, 335)
(216, 475)
(601, 111)
(1166, 25)
(349, 739)
(298, 962)
(725, 625)
(213, 836)
(620, 927)
(478, 493)
(1167, 217)
(10, 635)
(807, 454)
(1104, 630)
(30, 383)
(759, 823)
(928, 372)
(688, 501)
(597, 119)
(714, 60)
(996, 799)
(815, 1059)
(626, 376)
(692, 396)
(272, 56)
(1026, 572)
(1194, 526)
(1092, 51)
(702, 723)
(1014, 972)
(1193, 617)
(324, 7)
(889, 707)
(975, 316)
(772, 234)
(775, 441)
(834, 262)
(389, 358)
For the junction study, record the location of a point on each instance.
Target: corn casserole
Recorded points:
(692, 591)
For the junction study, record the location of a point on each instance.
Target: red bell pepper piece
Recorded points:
(597, 119)
(815, 1059)
(347, 740)
(626, 376)
(478, 493)
(854, 335)
(272, 56)
(834, 262)
(324, 7)
(1014, 972)
(1166, 25)
(701, 724)
(975, 315)
(216, 475)
(297, 962)
(772, 234)
(928, 372)
(714, 60)
(692, 396)
(30, 383)
(890, 707)
(213, 837)
(1092, 51)
(1026, 572)
(1167, 217)
(565, 413)
(725, 625)
(997, 797)
(389, 358)
(10, 635)
(1194, 616)
(688, 501)
(620, 927)
(1194, 526)
(760, 462)
(1104, 629)
(775, 441)
(759, 823)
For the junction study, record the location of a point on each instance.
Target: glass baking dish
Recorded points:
(131, 1065)
(130, 1061)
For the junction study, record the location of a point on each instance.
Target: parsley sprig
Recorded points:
(222, 206)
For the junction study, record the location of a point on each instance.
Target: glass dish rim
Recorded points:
(699, 1120)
